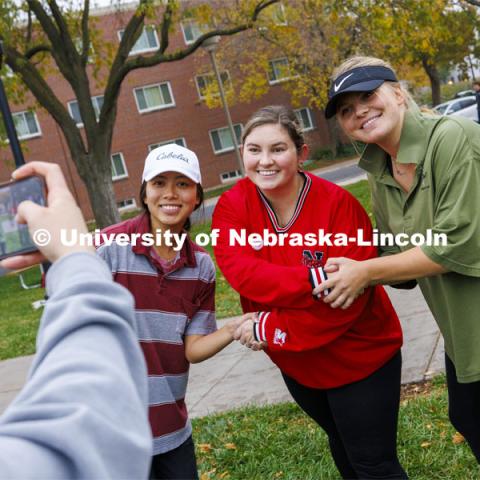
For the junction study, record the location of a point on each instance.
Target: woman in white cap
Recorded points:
(424, 173)
(173, 283)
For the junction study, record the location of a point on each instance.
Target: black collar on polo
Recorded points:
(359, 79)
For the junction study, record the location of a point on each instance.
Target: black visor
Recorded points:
(360, 79)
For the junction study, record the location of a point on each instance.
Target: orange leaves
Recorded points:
(458, 438)
(205, 447)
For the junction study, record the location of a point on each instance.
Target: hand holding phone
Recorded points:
(60, 213)
(14, 237)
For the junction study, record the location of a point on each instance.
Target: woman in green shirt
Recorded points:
(424, 174)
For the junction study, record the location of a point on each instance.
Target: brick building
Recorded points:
(156, 105)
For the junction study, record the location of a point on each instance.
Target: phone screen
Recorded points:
(14, 238)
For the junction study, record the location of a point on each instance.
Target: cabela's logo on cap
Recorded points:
(170, 155)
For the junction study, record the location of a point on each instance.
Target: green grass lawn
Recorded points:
(19, 322)
(281, 442)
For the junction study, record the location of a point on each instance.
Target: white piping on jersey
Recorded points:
(298, 207)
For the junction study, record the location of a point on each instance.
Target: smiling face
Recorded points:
(170, 198)
(373, 117)
(271, 158)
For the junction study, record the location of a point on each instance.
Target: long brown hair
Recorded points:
(279, 115)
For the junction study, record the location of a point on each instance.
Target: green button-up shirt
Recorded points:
(445, 197)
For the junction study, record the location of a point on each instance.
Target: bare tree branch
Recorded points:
(476, 3)
(29, 54)
(85, 33)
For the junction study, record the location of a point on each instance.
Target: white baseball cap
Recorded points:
(172, 158)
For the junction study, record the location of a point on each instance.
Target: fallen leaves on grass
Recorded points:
(425, 444)
(230, 446)
(205, 447)
(458, 438)
(208, 475)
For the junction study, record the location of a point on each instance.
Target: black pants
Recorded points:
(464, 407)
(360, 420)
(177, 464)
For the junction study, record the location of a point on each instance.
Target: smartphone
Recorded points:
(14, 237)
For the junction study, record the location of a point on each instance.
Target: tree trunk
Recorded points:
(434, 77)
(102, 199)
(97, 177)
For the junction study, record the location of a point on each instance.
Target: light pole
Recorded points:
(210, 45)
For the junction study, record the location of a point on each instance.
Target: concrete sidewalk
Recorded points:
(237, 376)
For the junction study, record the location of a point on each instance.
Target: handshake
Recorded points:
(242, 330)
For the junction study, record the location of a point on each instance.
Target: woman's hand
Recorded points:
(347, 279)
(233, 324)
(244, 333)
(61, 213)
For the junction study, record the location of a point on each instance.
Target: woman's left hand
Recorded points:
(244, 334)
(347, 279)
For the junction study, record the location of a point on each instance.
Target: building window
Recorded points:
(278, 14)
(7, 72)
(222, 138)
(230, 176)
(278, 70)
(78, 42)
(154, 97)
(305, 118)
(147, 41)
(205, 82)
(191, 31)
(127, 204)
(74, 110)
(26, 125)
(178, 141)
(119, 169)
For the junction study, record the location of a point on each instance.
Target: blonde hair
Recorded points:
(361, 61)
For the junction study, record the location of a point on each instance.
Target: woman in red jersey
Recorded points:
(342, 367)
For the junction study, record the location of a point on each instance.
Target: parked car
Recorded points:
(455, 105)
(470, 112)
(464, 93)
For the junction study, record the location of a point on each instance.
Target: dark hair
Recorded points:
(188, 224)
(280, 115)
(476, 82)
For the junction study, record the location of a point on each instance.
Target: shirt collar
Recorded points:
(187, 253)
(414, 140)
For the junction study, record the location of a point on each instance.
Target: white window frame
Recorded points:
(141, 50)
(160, 107)
(96, 108)
(28, 135)
(214, 78)
(127, 208)
(310, 118)
(282, 12)
(190, 22)
(238, 174)
(7, 72)
(278, 80)
(228, 149)
(119, 177)
(78, 42)
(166, 142)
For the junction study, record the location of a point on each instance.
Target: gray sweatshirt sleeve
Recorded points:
(82, 412)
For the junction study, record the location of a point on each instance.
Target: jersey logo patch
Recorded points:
(279, 337)
(312, 260)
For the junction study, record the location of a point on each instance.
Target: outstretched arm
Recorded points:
(82, 412)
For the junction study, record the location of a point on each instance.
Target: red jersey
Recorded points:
(308, 340)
